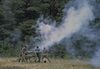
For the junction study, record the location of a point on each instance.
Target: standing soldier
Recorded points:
(45, 55)
(24, 53)
(37, 51)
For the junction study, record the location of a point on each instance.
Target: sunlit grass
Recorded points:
(10, 63)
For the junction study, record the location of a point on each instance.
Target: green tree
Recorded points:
(58, 51)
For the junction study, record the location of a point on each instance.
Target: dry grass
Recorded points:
(10, 63)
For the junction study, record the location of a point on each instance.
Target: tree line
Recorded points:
(18, 17)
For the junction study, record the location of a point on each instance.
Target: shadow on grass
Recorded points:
(11, 67)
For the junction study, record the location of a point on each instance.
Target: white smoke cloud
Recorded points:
(96, 59)
(74, 20)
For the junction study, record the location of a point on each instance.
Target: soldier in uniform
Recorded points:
(23, 53)
(38, 54)
(45, 55)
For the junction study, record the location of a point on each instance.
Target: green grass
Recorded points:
(10, 63)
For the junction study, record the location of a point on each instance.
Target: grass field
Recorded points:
(10, 63)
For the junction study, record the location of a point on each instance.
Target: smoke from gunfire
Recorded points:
(73, 21)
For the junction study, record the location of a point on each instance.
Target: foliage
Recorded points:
(7, 49)
(84, 47)
(58, 50)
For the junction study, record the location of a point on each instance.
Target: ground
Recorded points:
(10, 63)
